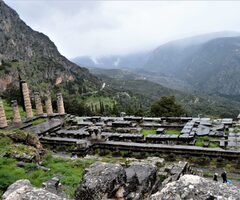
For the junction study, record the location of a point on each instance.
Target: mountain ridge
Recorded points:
(23, 49)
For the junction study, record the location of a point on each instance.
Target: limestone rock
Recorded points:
(23, 190)
(197, 188)
(141, 178)
(102, 180)
(159, 162)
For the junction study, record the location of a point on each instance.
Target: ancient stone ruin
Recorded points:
(38, 103)
(148, 178)
(27, 100)
(28, 107)
(60, 104)
(48, 104)
(16, 114)
(3, 119)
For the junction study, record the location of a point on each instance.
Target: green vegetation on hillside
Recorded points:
(168, 107)
(69, 171)
(100, 104)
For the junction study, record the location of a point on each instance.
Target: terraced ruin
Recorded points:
(83, 135)
(155, 141)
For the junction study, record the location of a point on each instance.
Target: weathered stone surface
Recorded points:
(141, 178)
(159, 162)
(197, 188)
(16, 113)
(102, 180)
(27, 100)
(48, 104)
(3, 119)
(23, 190)
(60, 104)
(38, 103)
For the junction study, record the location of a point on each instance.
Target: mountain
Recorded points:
(132, 91)
(34, 57)
(212, 66)
(215, 67)
(173, 64)
(129, 61)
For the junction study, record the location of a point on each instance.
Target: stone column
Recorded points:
(16, 113)
(48, 103)
(60, 104)
(3, 119)
(38, 103)
(27, 100)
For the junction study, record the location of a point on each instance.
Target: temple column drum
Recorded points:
(38, 103)
(16, 113)
(3, 119)
(27, 100)
(48, 103)
(60, 104)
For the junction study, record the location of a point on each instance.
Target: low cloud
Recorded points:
(118, 27)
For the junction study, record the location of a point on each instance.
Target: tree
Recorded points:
(167, 106)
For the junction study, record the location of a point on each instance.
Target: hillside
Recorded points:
(35, 57)
(138, 92)
(212, 66)
(178, 64)
(169, 58)
(215, 67)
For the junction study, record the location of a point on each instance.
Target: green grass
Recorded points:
(213, 145)
(201, 139)
(39, 121)
(147, 132)
(8, 110)
(207, 138)
(199, 143)
(69, 171)
(173, 131)
(9, 113)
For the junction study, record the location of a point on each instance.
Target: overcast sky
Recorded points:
(118, 27)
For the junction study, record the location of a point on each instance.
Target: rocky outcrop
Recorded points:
(136, 181)
(24, 146)
(141, 178)
(102, 180)
(23, 190)
(35, 57)
(197, 188)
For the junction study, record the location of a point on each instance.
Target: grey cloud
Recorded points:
(119, 27)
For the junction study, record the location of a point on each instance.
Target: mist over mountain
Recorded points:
(208, 62)
(34, 57)
(130, 61)
(211, 66)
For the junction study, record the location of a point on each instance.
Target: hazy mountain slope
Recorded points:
(215, 67)
(212, 66)
(170, 58)
(145, 92)
(35, 57)
(170, 65)
(126, 74)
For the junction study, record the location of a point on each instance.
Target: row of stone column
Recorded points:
(28, 106)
